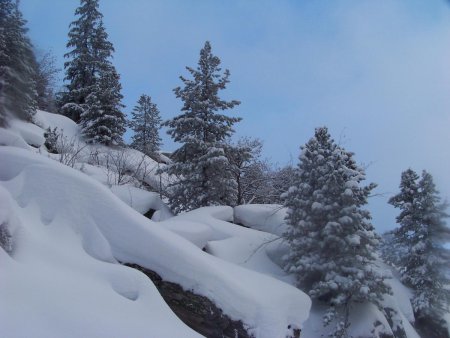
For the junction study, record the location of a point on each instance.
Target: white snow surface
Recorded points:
(142, 201)
(71, 226)
(236, 244)
(63, 278)
(32, 134)
(65, 125)
(264, 217)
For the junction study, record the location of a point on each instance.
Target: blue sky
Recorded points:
(377, 73)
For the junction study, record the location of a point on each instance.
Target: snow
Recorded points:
(196, 233)
(364, 316)
(269, 218)
(73, 228)
(402, 295)
(236, 244)
(252, 249)
(30, 133)
(10, 138)
(264, 217)
(59, 280)
(65, 125)
(142, 200)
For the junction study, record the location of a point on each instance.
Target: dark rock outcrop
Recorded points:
(196, 311)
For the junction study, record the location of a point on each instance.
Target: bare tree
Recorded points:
(69, 150)
(244, 158)
(117, 167)
(46, 78)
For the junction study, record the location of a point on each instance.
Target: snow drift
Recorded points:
(63, 277)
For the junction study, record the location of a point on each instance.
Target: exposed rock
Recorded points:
(196, 311)
(149, 213)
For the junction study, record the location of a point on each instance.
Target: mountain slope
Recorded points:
(63, 277)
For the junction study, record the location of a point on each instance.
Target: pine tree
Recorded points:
(17, 65)
(331, 239)
(145, 123)
(423, 233)
(89, 71)
(409, 217)
(200, 164)
(102, 120)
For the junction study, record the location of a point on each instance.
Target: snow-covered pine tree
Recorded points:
(200, 164)
(88, 63)
(17, 65)
(332, 242)
(102, 121)
(146, 122)
(81, 68)
(409, 219)
(424, 265)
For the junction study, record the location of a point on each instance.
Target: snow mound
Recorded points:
(65, 125)
(13, 139)
(60, 281)
(264, 217)
(235, 244)
(73, 228)
(142, 201)
(30, 133)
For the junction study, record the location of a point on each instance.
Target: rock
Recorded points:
(197, 312)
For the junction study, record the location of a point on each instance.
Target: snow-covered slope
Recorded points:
(63, 278)
(264, 217)
(72, 224)
(270, 218)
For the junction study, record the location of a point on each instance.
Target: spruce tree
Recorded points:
(332, 241)
(409, 219)
(102, 121)
(202, 169)
(146, 122)
(82, 66)
(89, 71)
(17, 65)
(424, 263)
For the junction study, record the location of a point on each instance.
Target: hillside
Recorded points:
(76, 216)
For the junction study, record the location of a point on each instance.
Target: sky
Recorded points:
(376, 73)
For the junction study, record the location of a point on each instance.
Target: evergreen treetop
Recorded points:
(423, 233)
(332, 241)
(102, 121)
(88, 56)
(145, 123)
(199, 121)
(17, 65)
(202, 169)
